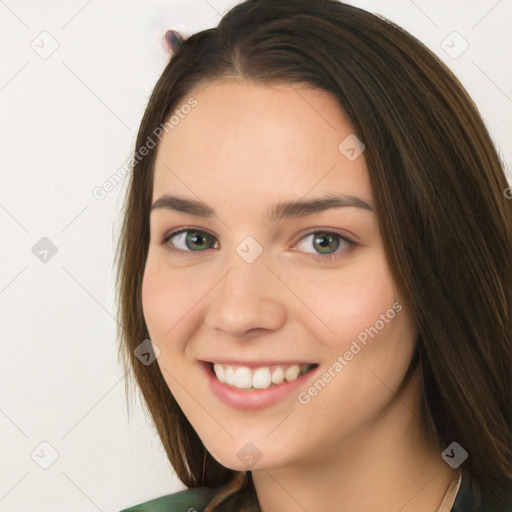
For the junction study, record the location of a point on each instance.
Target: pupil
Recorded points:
(195, 237)
(324, 246)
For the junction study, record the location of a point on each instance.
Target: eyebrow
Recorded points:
(277, 212)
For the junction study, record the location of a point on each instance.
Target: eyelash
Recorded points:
(317, 257)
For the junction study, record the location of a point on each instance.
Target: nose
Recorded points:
(249, 297)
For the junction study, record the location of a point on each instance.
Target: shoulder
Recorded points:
(493, 503)
(474, 497)
(190, 500)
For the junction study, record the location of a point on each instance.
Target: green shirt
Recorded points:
(470, 498)
(191, 500)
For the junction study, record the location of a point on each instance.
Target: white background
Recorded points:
(68, 122)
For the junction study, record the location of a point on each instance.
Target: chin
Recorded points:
(248, 455)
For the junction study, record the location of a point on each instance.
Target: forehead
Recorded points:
(251, 142)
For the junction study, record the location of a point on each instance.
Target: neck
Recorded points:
(385, 466)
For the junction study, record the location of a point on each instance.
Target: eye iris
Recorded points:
(326, 247)
(196, 237)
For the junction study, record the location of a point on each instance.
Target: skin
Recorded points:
(243, 148)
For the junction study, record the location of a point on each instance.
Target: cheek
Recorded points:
(160, 299)
(345, 303)
(169, 302)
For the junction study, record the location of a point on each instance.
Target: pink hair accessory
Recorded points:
(172, 41)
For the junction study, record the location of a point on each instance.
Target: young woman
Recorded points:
(315, 271)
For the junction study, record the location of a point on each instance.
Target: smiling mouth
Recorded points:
(264, 377)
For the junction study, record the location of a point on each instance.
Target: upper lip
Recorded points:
(256, 364)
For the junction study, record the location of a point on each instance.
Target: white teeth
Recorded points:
(230, 375)
(292, 373)
(261, 378)
(219, 371)
(258, 378)
(243, 378)
(278, 375)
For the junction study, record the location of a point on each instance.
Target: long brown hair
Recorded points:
(439, 191)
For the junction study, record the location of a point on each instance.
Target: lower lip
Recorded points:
(252, 400)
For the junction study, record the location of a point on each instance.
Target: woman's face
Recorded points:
(264, 287)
